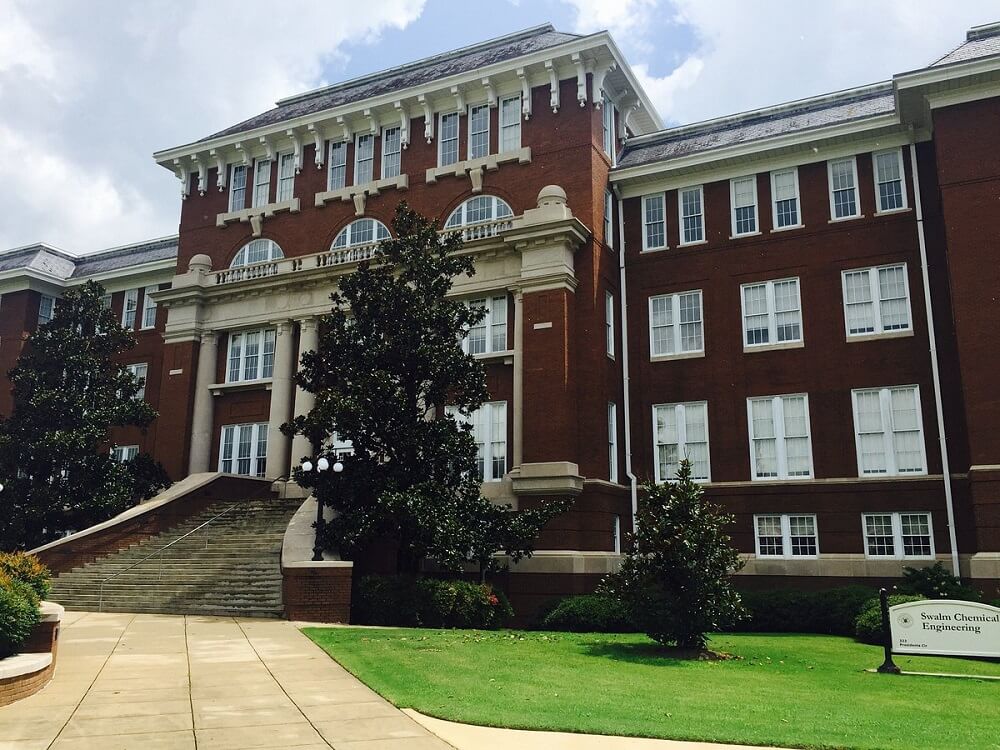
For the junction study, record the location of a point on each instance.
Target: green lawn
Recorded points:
(789, 690)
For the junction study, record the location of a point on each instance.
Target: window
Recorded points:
(608, 123)
(364, 158)
(257, 251)
(654, 223)
(785, 199)
(843, 188)
(391, 151)
(251, 355)
(489, 430)
(361, 232)
(887, 166)
(898, 535)
(238, 188)
(784, 535)
(609, 324)
(888, 430)
(616, 534)
(448, 139)
(129, 307)
(337, 175)
(510, 123)
(262, 182)
(479, 131)
(675, 324)
(286, 177)
(780, 446)
(609, 237)
(46, 309)
(743, 194)
(481, 214)
(876, 300)
(148, 307)
(612, 442)
(490, 334)
(692, 216)
(772, 313)
(244, 449)
(123, 453)
(138, 371)
(681, 431)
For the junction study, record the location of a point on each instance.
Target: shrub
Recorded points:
(590, 613)
(868, 626)
(830, 612)
(18, 614)
(21, 566)
(935, 582)
(995, 603)
(406, 601)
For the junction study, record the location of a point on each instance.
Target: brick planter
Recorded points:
(317, 591)
(29, 671)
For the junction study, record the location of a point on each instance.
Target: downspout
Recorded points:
(932, 341)
(623, 317)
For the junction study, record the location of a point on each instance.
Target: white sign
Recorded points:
(946, 628)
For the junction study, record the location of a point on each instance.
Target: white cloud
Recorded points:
(622, 18)
(89, 90)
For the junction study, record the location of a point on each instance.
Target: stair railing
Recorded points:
(159, 574)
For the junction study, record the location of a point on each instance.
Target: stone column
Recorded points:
(281, 402)
(308, 341)
(517, 453)
(204, 411)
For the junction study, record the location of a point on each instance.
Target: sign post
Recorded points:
(888, 666)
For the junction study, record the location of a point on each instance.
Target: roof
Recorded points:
(980, 41)
(406, 76)
(60, 264)
(794, 117)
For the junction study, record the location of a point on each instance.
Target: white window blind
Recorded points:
(681, 431)
(244, 449)
(772, 313)
(780, 444)
(675, 324)
(888, 429)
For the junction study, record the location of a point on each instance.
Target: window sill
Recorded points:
(891, 211)
(779, 480)
(655, 249)
(744, 235)
(490, 163)
(682, 355)
(505, 357)
(786, 557)
(900, 557)
(243, 215)
(263, 384)
(845, 218)
(693, 244)
(879, 336)
(894, 477)
(788, 228)
(346, 194)
(773, 347)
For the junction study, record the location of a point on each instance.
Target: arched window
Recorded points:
(361, 232)
(257, 251)
(478, 210)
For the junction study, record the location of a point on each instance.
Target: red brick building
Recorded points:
(801, 299)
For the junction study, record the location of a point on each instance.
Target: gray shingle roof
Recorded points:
(982, 41)
(62, 265)
(754, 126)
(413, 74)
(41, 258)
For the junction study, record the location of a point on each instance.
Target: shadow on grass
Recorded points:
(651, 653)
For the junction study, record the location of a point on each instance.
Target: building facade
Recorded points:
(801, 300)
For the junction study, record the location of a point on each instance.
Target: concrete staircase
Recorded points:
(229, 567)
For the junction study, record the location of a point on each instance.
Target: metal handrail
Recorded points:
(100, 598)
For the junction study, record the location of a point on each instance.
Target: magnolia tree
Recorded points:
(68, 391)
(389, 358)
(675, 580)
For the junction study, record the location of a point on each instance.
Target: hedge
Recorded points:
(19, 614)
(868, 626)
(830, 612)
(406, 601)
(588, 613)
(27, 568)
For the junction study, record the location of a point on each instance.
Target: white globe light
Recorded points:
(338, 467)
(1, 486)
(307, 466)
(322, 465)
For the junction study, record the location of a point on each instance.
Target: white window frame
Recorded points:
(262, 187)
(258, 439)
(609, 324)
(675, 316)
(368, 162)
(286, 176)
(732, 206)
(876, 302)
(442, 140)
(857, 189)
(236, 366)
(506, 127)
(885, 406)
(380, 233)
(148, 308)
(680, 419)
(130, 307)
(124, 453)
(491, 324)
(616, 534)
(780, 439)
(902, 180)
(492, 410)
(395, 167)
(468, 146)
(898, 548)
(140, 371)
(662, 197)
(785, 519)
(774, 201)
(608, 128)
(612, 442)
(46, 300)
(338, 165)
(609, 203)
(772, 316)
(237, 190)
(681, 241)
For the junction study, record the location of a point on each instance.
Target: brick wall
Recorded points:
(317, 594)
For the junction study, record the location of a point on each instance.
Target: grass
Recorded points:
(807, 691)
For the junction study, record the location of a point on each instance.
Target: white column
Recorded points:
(281, 402)
(202, 419)
(308, 341)
(518, 406)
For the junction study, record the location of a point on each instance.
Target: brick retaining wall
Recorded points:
(317, 593)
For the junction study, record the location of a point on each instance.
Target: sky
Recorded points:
(89, 90)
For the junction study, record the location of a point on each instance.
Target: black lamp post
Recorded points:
(322, 464)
